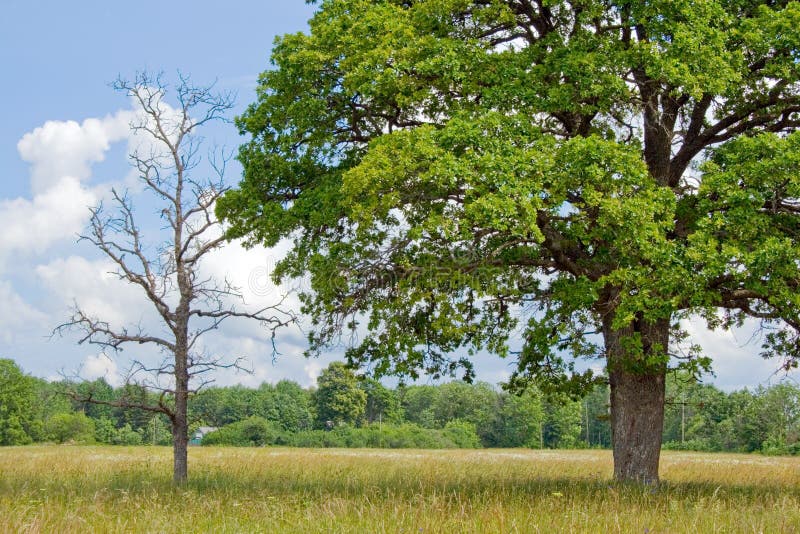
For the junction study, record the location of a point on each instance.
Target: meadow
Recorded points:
(128, 489)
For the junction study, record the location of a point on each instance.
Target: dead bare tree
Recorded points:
(186, 304)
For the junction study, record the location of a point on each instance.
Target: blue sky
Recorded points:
(63, 145)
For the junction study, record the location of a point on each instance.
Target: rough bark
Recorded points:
(637, 397)
(180, 443)
(180, 421)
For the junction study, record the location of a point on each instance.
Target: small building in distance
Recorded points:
(200, 433)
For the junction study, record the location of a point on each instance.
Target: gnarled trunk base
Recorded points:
(637, 399)
(637, 420)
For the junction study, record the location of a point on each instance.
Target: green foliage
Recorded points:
(464, 402)
(562, 423)
(701, 417)
(51, 399)
(157, 431)
(418, 403)
(462, 434)
(70, 428)
(132, 394)
(698, 417)
(126, 436)
(18, 425)
(403, 436)
(518, 421)
(338, 398)
(383, 404)
(583, 174)
(104, 430)
(253, 431)
(293, 405)
(98, 390)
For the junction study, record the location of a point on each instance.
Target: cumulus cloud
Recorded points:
(250, 270)
(34, 225)
(61, 155)
(736, 355)
(93, 285)
(59, 149)
(101, 366)
(312, 369)
(16, 315)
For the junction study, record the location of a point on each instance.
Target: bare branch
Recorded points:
(167, 270)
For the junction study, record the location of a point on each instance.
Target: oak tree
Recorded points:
(591, 171)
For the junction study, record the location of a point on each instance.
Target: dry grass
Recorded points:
(113, 489)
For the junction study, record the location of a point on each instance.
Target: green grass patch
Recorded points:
(115, 489)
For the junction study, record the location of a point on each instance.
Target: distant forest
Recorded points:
(346, 410)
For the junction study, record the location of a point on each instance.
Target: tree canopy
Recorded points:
(18, 424)
(455, 171)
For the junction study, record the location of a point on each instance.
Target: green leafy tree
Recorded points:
(463, 434)
(104, 430)
(383, 405)
(749, 427)
(471, 403)
(338, 398)
(709, 422)
(18, 425)
(97, 390)
(518, 421)
(418, 403)
(51, 399)
(562, 423)
(596, 432)
(157, 431)
(293, 405)
(127, 436)
(126, 402)
(448, 169)
(778, 408)
(70, 427)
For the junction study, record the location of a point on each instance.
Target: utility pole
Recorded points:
(586, 409)
(683, 419)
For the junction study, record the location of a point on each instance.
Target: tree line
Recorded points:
(347, 410)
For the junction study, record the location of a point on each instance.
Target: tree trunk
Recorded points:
(180, 421)
(180, 438)
(637, 374)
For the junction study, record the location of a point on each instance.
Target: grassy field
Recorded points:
(116, 489)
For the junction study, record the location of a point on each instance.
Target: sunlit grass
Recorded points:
(116, 489)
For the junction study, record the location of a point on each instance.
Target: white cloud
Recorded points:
(65, 148)
(250, 270)
(313, 369)
(736, 355)
(95, 288)
(61, 155)
(15, 314)
(101, 366)
(34, 225)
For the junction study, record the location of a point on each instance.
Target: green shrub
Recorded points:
(252, 432)
(126, 436)
(104, 430)
(688, 445)
(70, 427)
(12, 432)
(463, 434)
